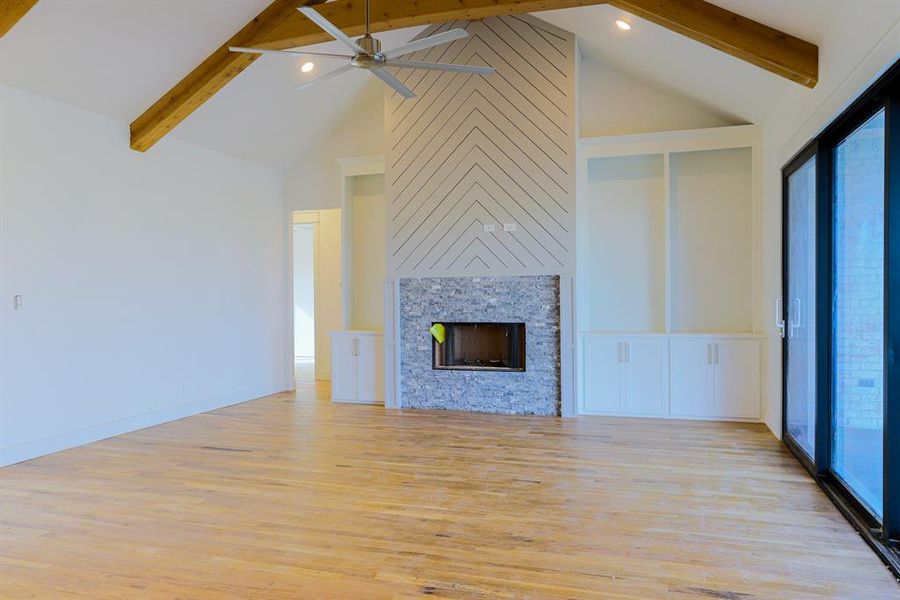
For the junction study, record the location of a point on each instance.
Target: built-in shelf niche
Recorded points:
(623, 246)
(363, 242)
(365, 214)
(667, 233)
(710, 240)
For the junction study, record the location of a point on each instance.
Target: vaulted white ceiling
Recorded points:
(116, 57)
(726, 86)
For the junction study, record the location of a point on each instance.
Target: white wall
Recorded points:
(853, 52)
(611, 103)
(315, 182)
(153, 284)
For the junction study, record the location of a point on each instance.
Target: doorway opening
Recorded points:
(305, 235)
(317, 306)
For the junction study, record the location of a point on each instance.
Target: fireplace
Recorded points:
(479, 347)
(529, 304)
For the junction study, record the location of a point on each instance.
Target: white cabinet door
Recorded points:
(343, 368)
(695, 377)
(692, 377)
(736, 378)
(646, 381)
(602, 375)
(370, 370)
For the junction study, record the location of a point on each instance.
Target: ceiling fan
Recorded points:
(367, 53)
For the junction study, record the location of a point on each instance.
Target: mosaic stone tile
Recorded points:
(533, 300)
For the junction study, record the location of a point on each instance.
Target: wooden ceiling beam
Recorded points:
(11, 11)
(744, 38)
(280, 26)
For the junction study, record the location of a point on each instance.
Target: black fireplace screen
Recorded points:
(480, 347)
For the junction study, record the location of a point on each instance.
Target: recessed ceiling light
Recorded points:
(624, 26)
(307, 67)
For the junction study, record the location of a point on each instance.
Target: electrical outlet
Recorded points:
(509, 227)
(489, 227)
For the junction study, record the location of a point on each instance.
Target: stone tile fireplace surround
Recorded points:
(533, 300)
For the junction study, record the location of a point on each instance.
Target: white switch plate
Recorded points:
(489, 227)
(17, 302)
(509, 227)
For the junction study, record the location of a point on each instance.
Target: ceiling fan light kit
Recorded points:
(367, 54)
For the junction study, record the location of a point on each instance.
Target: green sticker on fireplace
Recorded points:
(439, 333)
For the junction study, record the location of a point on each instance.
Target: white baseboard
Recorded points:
(775, 429)
(27, 450)
(344, 401)
(584, 413)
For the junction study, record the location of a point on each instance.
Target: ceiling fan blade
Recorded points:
(314, 16)
(414, 64)
(324, 77)
(393, 82)
(432, 40)
(287, 52)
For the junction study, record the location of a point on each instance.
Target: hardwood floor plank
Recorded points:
(295, 497)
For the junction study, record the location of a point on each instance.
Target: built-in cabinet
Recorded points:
(694, 377)
(668, 274)
(627, 375)
(357, 364)
(714, 377)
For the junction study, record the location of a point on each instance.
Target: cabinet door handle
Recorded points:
(628, 352)
(619, 351)
(717, 353)
(709, 350)
(355, 346)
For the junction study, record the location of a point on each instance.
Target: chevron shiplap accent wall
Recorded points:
(475, 150)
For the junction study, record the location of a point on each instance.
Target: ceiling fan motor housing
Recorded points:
(372, 57)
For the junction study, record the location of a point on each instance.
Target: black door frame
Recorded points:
(884, 536)
(809, 152)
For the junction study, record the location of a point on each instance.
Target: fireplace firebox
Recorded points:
(480, 347)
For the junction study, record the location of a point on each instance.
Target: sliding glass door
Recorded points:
(840, 313)
(858, 312)
(798, 316)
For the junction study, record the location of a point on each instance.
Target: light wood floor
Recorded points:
(290, 497)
